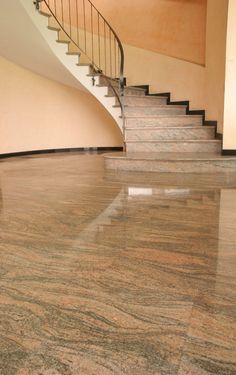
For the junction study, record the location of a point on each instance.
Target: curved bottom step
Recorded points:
(171, 162)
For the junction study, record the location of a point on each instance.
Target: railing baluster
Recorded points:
(115, 57)
(91, 11)
(70, 26)
(85, 32)
(55, 7)
(99, 42)
(105, 48)
(77, 21)
(62, 13)
(110, 53)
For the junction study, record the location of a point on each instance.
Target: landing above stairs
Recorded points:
(185, 162)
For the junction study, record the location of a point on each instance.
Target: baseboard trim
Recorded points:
(219, 136)
(86, 150)
(229, 152)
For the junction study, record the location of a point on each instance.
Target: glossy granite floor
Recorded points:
(109, 274)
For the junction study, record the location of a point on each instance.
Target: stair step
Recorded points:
(63, 41)
(127, 90)
(103, 81)
(144, 100)
(53, 24)
(44, 13)
(170, 133)
(62, 36)
(156, 121)
(136, 111)
(171, 162)
(198, 146)
(43, 9)
(54, 28)
(73, 53)
(72, 47)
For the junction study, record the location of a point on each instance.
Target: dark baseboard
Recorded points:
(229, 152)
(86, 150)
(219, 136)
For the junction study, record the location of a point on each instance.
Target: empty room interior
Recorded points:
(117, 187)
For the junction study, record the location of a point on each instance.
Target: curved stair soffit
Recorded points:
(21, 49)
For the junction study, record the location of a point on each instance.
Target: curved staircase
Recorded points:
(158, 136)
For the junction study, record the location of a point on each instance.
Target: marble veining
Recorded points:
(115, 274)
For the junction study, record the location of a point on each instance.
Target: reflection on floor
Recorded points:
(109, 274)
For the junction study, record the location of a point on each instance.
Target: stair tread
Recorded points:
(156, 106)
(73, 53)
(85, 64)
(164, 116)
(126, 87)
(54, 28)
(45, 14)
(183, 127)
(141, 97)
(170, 156)
(63, 41)
(177, 141)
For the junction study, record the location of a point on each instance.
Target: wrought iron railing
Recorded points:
(92, 37)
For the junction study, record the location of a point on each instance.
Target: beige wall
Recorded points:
(37, 113)
(215, 60)
(185, 81)
(229, 139)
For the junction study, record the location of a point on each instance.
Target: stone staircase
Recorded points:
(160, 137)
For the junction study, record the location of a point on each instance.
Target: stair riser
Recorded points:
(163, 121)
(213, 147)
(128, 91)
(152, 111)
(143, 100)
(161, 166)
(44, 9)
(170, 134)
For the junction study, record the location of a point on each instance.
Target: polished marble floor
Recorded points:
(110, 274)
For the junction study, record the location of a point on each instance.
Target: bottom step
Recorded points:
(170, 162)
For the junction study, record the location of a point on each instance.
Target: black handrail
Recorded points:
(111, 67)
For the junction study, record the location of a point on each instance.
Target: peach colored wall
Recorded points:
(185, 81)
(229, 139)
(37, 113)
(171, 27)
(215, 60)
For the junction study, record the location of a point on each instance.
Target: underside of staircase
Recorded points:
(158, 136)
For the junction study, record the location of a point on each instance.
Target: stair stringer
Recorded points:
(70, 63)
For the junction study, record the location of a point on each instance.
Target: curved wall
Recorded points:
(37, 113)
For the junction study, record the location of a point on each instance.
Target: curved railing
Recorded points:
(92, 37)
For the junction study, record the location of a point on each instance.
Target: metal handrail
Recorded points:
(112, 67)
